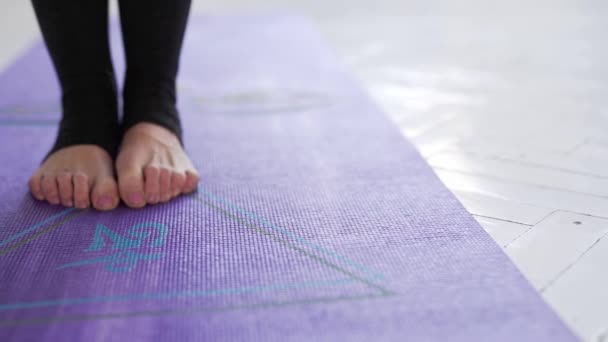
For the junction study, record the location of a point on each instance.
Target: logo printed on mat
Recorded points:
(264, 101)
(124, 258)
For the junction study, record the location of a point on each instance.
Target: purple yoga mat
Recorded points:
(315, 220)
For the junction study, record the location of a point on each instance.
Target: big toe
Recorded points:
(105, 193)
(35, 186)
(131, 186)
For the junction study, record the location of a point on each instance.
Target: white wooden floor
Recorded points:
(508, 101)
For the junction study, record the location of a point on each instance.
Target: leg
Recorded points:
(152, 165)
(78, 169)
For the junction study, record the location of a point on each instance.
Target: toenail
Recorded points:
(136, 198)
(69, 203)
(105, 202)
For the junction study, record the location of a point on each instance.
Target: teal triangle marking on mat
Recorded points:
(179, 294)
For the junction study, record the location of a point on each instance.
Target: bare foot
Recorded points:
(79, 175)
(152, 166)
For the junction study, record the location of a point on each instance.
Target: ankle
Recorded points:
(154, 131)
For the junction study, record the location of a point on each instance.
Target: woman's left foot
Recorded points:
(152, 166)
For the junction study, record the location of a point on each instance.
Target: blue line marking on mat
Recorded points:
(123, 261)
(169, 295)
(261, 220)
(36, 123)
(36, 226)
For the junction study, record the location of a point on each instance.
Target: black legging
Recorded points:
(76, 35)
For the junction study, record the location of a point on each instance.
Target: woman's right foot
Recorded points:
(77, 176)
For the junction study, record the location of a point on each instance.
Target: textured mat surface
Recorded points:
(315, 219)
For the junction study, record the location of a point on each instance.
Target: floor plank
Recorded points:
(554, 245)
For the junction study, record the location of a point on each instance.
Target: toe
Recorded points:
(49, 188)
(151, 176)
(131, 187)
(192, 179)
(178, 179)
(66, 189)
(104, 194)
(35, 186)
(165, 184)
(81, 190)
